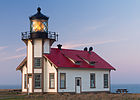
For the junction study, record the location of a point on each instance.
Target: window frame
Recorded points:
(40, 62)
(94, 80)
(45, 29)
(92, 63)
(40, 81)
(25, 81)
(107, 81)
(64, 81)
(50, 81)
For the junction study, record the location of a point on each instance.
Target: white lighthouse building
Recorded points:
(58, 70)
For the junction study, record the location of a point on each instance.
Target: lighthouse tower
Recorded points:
(38, 42)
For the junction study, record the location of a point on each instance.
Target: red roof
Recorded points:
(65, 58)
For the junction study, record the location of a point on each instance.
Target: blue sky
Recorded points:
(112, 27)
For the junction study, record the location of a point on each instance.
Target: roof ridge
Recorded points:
(73, 50)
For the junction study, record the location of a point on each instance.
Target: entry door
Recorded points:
(30, 85)
(78, 84)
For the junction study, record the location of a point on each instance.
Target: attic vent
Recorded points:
(77, 62)
(92, 63)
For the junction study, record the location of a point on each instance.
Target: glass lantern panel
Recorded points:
(39, 26)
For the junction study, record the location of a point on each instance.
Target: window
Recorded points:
(92, 63)
(37, 80)
(37, 62)
(92, 80)
(25, 81)
(78, 82)
(77, 62)
(51, 81)
(105, 80)
(39, 26)
(62, 80)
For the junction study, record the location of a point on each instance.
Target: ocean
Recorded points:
(10, 86)
(132, 88)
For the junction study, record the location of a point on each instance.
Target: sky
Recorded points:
(111, 27)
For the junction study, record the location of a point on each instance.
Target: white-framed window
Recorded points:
(37, 80)
(62, 80)
(51, 81)
(37, 62)
(92, 80)
(25, 81)
(105, 80)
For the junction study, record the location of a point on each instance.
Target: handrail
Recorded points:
(51, 35)
(25, 35)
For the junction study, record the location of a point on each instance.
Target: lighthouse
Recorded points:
(38, 42)
(59, 70)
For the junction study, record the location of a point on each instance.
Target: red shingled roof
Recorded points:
(66, 58)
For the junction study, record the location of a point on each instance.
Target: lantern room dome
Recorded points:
(39, 15)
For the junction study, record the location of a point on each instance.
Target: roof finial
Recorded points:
(38, 9)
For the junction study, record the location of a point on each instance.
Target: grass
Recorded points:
(66, 96)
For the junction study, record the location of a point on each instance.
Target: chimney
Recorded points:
(59, 46)
(85, 49)
(90, 49)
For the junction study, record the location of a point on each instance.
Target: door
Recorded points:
(78, 84)
(29, 83)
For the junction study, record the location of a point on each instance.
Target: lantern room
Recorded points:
(39, 22)
(39, 28)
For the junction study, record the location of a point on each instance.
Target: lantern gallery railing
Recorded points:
(51, 35)
(25, 35)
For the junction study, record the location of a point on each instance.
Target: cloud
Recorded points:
(73, 45)
(20, 49)
(3, 53)
(13, 57)
(3, 47)
(92, 28)
(109, 41)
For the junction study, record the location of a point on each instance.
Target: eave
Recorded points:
(22, 64)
